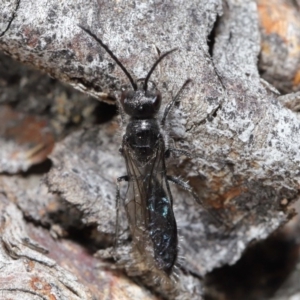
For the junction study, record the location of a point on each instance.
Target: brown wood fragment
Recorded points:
(280, 43)
(26, 140)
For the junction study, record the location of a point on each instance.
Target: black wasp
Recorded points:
(149, 203)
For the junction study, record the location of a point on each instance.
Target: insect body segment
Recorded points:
(149, 203)
(163, 228)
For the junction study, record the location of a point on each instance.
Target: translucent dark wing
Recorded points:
(149, 208)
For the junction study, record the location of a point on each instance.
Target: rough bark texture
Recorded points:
(244, 144)
(280, 31)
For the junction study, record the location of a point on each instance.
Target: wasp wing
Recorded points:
(149, 207)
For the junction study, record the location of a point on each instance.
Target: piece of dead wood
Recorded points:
(280, 34)
(245, 143)
(34, 272)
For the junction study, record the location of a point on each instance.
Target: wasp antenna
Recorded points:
(154, 66)
(133, 83)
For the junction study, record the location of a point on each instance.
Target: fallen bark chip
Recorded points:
(25, 140)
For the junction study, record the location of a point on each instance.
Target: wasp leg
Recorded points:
(185, 186)
(177, 152)
(118, 197)
(188, 188)
(173, 101)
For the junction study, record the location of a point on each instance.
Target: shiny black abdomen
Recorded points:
(162, 228)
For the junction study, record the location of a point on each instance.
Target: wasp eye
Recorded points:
(127, 101)
(126, 95)
(155, 101)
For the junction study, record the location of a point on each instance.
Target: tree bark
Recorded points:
(244, 143)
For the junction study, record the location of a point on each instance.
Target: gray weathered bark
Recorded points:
(245, 144)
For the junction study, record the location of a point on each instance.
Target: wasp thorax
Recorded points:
(141, 104)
